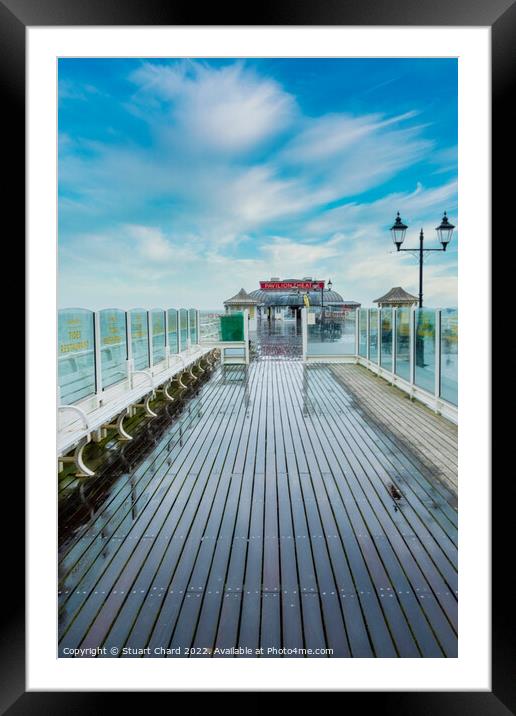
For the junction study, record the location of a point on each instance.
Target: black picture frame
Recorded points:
(500, 15)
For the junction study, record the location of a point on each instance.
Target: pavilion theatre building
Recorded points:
(282, 299)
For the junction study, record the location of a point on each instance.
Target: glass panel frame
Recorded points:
(402, 354)
(386, 326)
(113, 346)
(449, 355)
(373, 335)
(139, 338)
(209, 326)
(362, 332)
(76, 355)
(157, 318)
(192, 317)
(173, 334)
(183, 329)
(424, 348)
(332, 332)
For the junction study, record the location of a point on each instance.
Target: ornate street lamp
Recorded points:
(398, 231)
(444, 233)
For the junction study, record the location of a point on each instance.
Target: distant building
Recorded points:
(283, 299)
(241, 301)
(396, 297)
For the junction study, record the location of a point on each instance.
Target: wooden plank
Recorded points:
(395, 556)
(151, 521)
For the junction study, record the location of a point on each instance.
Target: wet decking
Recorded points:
(284, 507)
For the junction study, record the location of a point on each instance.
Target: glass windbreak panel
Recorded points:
(113, 346)
(331, 332)
(232, 327)
(362, 333)
(173, 335)
(373, 334)
(386, 338)
(209, 326)
(75, 354)
(424, 367)
(183, 329)
(193, 326)
(402, 367)
(139, 338)
(449, 354)
(158, 335)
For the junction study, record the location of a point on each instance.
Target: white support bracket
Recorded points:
(192, 374)
(79, 411)
(179, 377)
(78, 459)
(165, 392)
(146, 405)
(119, 426)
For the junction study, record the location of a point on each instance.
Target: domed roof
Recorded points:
(295, 298)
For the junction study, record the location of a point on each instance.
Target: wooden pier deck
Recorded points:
(304, 508)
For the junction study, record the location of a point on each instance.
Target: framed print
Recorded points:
(270, 444)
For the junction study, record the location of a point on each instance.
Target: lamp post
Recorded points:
(444, 232)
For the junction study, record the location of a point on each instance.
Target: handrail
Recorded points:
(76, 409)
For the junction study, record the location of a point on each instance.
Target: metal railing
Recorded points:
(229, 332)
(415, 349)
(100, 349)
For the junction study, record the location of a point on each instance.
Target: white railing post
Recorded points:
(437, 357)
(98, 358)
(357, 329)
(394, 324)
(246, 335)
(379, 336)
(149, 340)
(304, 331)
(368, 333)
(129, 346)
(412, 348)
(167, 346)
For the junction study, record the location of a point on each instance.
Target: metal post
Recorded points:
(437, 354)
(129, 346)
(167, 347)
(379, 336)
(368, 332)
(412, 342)
(149, 339)
(394, 324)
(97, 357)
(304, 331)
(357, 328)
(421, 239)
(246, 335)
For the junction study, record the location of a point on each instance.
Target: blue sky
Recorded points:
(181, 181)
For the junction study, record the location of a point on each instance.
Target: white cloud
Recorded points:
(207, 206)
(226, 109)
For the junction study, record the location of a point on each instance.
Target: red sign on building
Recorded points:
(289, 285)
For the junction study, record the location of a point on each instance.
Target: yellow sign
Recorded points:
(306, 300)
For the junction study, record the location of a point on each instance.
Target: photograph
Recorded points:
(258, 357)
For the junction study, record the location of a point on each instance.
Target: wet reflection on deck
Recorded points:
(276, 510)
(277, 340)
